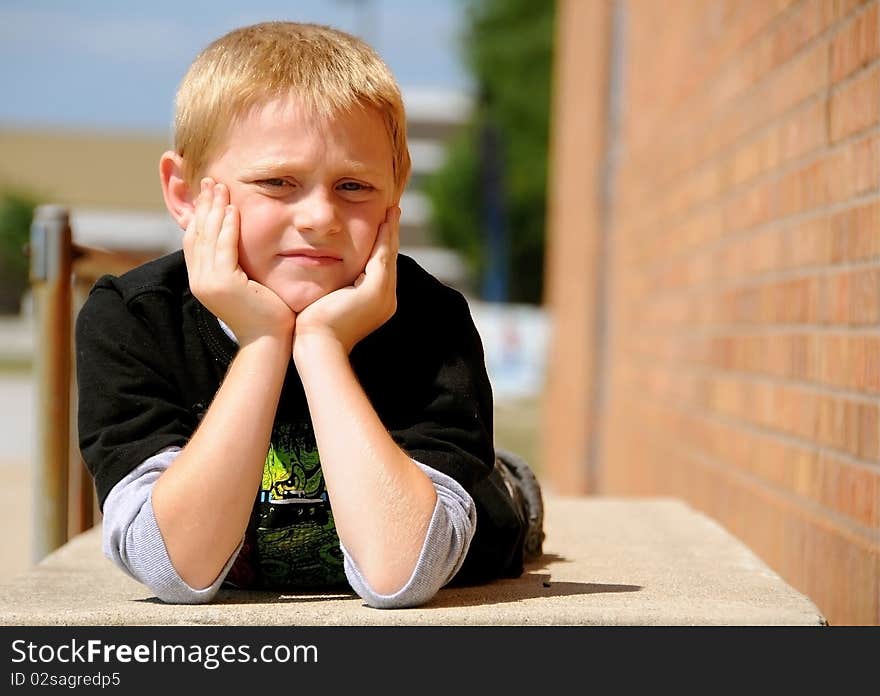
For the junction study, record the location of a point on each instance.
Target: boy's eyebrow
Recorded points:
(276, 166)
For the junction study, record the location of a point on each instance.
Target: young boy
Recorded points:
(288, 403)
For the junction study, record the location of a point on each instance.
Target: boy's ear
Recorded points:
(178, 197)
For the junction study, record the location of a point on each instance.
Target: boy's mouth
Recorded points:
(311, 257)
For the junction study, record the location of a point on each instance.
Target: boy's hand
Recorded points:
(210, 247)
(351, 313)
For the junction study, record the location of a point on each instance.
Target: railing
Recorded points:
(61, 274)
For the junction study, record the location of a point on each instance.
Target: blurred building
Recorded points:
(110, 181)
(714, 274)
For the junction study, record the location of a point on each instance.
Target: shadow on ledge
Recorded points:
(530, 585)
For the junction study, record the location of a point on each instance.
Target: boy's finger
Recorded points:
(192, 247)
(213, 222)
(191, 234)
(203, 205)
(226, 253)
(378, 260)
(388, 239)
(392, 244)
(391, 268)
(214, 219)
(395, 231)
(382, 266)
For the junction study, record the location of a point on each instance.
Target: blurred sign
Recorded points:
(515, 342)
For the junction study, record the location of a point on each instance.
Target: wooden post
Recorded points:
(83, 504)
(50, 276)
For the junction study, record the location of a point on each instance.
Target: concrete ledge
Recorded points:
(607, 562)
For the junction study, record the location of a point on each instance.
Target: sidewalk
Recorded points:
(607, 562)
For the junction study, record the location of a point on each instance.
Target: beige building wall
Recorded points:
(574, 243)
(92, 170)
(741, 348)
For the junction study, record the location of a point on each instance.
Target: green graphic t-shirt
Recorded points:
(291, 540)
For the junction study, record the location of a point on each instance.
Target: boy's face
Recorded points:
(311, 196)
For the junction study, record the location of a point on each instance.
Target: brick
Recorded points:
(752, 17)
(876, 523)
(848, 361)
(871, 375)
(869, 434)
(806, 243)
(856, 45)
(750, 208)
(848, 488)
(804, 132)
(853, 169)
(803, 23)
(804, 76)
(748, 161)
(854, 233)
(833, 357)
(835, 299)
(842, 8)
(865, 296)
(801, 357)
(847, 426)
(805, 408)
(851, 298)
(856, 106)
(802, 189)
(791, 302)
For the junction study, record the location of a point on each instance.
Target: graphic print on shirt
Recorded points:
(291, 541)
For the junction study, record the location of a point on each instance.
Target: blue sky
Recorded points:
(105, 65)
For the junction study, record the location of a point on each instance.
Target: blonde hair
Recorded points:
(328, 71)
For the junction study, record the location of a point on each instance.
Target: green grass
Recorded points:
(15, 366)
(517, 428)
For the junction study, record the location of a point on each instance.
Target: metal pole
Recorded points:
(50, 274)
(496, 282)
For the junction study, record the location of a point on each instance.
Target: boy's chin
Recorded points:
(301, 298)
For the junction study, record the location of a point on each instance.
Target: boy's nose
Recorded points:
(316, 212)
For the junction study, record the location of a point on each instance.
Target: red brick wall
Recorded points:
(743, 298)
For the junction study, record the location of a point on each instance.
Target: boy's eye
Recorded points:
(273, 182)
(354, 186)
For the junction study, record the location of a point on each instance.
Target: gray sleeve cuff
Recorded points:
(132, 540)
(446, 544)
